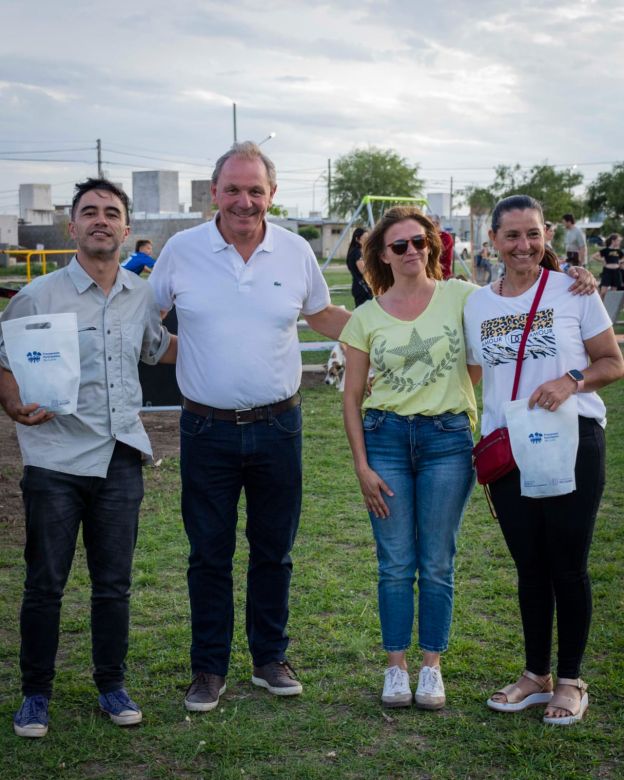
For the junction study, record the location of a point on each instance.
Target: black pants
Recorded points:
(108, 508)
(549, 540)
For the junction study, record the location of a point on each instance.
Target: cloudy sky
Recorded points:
(457, 87)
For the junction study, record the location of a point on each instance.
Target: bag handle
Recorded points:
(527, 328)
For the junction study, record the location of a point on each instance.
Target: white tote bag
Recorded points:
(544, 445)
(44, 356)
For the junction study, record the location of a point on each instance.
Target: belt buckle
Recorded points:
(238, 412)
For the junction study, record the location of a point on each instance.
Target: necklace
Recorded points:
(500, 283)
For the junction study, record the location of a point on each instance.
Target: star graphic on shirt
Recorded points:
(415, 350)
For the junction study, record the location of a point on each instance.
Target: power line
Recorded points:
(43, 159)
(50, 151)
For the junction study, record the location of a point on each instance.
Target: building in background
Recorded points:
(440, 204)
(155, 192)
(8, 230)
(201, 197)
(35, 204)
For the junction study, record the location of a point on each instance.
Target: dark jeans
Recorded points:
(56, 504)
(218, 459)
(549, 539)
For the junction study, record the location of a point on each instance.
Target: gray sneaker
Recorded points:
(278, 677)
(203, 693)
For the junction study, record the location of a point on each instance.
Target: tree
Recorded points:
(309, 232)
(371, 171)
(277, 211)
(553, 189)
(607, 194)
(480, 201)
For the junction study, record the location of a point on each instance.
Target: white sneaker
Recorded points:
(396, 690)
(430, 692)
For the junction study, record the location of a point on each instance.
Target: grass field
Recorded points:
(337, 728)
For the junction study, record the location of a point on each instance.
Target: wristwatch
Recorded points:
(578, 377)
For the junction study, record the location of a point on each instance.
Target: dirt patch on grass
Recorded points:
(161, 427)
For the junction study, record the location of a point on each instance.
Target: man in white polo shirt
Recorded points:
(239, 285)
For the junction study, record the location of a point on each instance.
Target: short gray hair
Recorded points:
(248, 150)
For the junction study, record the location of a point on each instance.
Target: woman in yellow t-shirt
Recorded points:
(412, 450)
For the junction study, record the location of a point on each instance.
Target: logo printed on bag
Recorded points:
(47, 357)
(536, 438)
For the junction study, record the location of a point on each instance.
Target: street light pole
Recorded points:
(320, 176)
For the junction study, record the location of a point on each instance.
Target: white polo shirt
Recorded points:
(237, 322)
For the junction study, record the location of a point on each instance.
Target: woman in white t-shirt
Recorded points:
(571, 349)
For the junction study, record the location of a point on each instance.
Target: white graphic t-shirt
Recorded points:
(493, 328)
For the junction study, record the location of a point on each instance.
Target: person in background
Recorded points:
(141, 260)
(360, 291)
(85, 468)
(571, 350)
(612, 257)
(575, 246)
(549, 233)
(446, 253)
(483, 263)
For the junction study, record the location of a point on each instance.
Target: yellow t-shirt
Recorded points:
(420, 365)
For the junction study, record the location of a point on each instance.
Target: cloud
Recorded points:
(453, 84)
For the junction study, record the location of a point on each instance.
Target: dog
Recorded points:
(336, 364)
(336, 367)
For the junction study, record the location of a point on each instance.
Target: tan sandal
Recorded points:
(518, 699)
(572, 704)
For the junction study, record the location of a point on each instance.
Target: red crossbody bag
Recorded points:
(492, 455)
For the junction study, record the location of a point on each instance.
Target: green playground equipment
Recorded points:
(367, 200)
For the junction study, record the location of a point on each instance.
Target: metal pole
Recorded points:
(329, 211)
(451, 201)
(99, 157)
(234, 119)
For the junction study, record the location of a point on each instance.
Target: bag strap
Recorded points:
(527, 328)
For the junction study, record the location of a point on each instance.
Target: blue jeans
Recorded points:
(427, 463)
(108, 508)
(219, 459)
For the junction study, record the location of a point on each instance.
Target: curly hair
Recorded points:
(379, 274)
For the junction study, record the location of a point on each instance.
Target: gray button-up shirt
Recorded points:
(115, 332)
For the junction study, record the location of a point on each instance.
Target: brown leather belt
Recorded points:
(242, 416)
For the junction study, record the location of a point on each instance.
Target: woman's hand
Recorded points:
(585, 283)
(373, 487)
(552, 394)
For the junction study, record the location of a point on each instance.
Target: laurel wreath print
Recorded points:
(401, 384)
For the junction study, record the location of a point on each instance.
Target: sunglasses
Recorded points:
(400, 247)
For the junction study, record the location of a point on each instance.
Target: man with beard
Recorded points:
(85, 468)
(239, 284)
